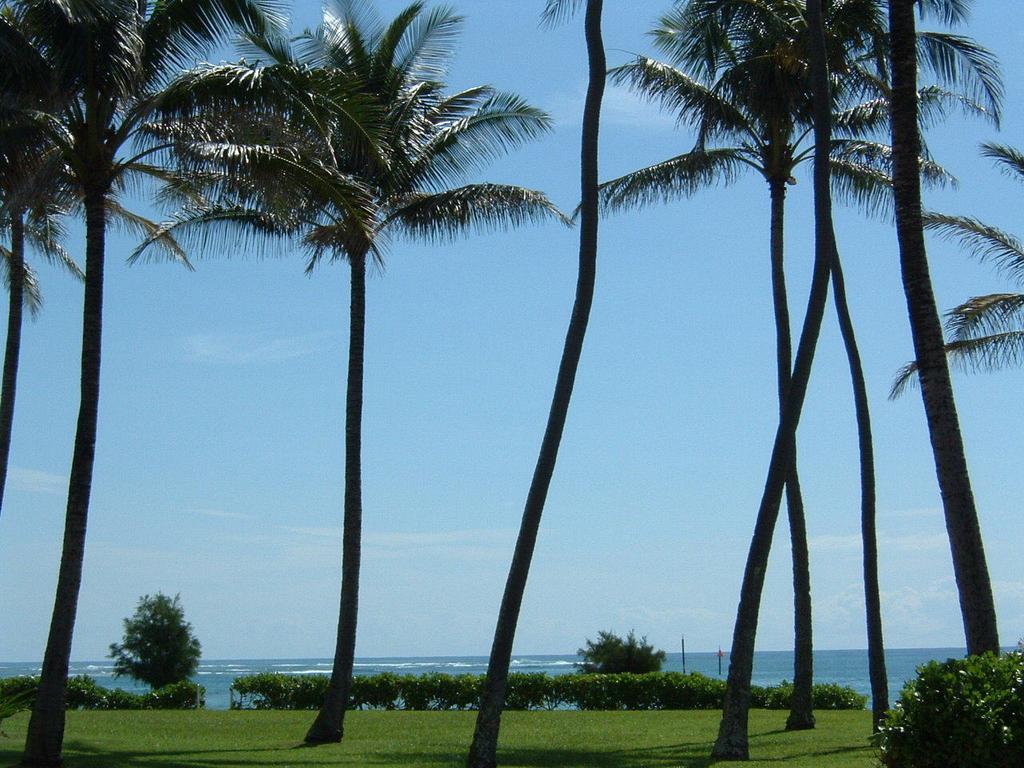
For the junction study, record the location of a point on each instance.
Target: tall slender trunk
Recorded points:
(801, 712)
(483, 751)
(732, 742)
(872, 598)
(972, 578)
(46, 727)
(329, 725)
(16, 296)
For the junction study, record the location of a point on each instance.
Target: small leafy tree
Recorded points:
(613, 654)
(158, 646)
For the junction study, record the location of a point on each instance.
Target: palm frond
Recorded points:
(984, 353)
(692, 101)
(952, 12)
(471, 208)
(502, 123)
(982, 241)
(180, 32)
(986, 315)
(1009, 160)
(425, 48)
(165, 246)
(31, 296)
(678, 177)
(936, 103)
(961, 61)
(557, 11)
(225, 228)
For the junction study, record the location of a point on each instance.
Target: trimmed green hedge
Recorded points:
(653, 690)
(86, 693)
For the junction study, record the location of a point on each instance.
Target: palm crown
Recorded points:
(373, 128)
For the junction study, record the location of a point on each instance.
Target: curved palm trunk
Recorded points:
(732, 742)
(46, 727)
(972, 578)
(16, 295)
(329, 725)
(872, 598)
(483, 751)
(801, 712)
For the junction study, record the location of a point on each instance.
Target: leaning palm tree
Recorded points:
(970, 568)
(985, 332)
(484, 747)
(732, 742)
(111, 60)
(416, 141)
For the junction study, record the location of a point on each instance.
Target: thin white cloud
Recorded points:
(36, 481)
(245, 349)
(317, 533)
(933, 513)
(620, 106)
(886, 541)
(219, 513)
(476, 545)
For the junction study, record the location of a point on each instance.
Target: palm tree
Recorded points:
(732, 742)
(484, 747)
(985, 331)
(973, 583)
(111, 59)
(745, 88)
(415, 142)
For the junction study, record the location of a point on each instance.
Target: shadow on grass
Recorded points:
(683, 755)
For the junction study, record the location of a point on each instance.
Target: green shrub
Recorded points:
(531, 690)
(835, 696)
(83, 692)
(181, 695)
(276, 691)
(967, 713)
(376, 691)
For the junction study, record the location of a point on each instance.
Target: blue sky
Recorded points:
(219, 461)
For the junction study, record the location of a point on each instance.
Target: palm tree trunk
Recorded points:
(329, 725)
(801, 712)
(16, 295)
(732, 742)
(483, 751)
(46, 727)
(972, 578)
(872, 598)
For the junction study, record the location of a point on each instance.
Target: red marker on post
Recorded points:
(721, 653)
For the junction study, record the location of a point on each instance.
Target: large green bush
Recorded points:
(967, 713)
(533, 691)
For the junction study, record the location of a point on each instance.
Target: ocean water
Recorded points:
(843, 667)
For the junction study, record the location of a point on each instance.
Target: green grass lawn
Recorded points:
(440, 739)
